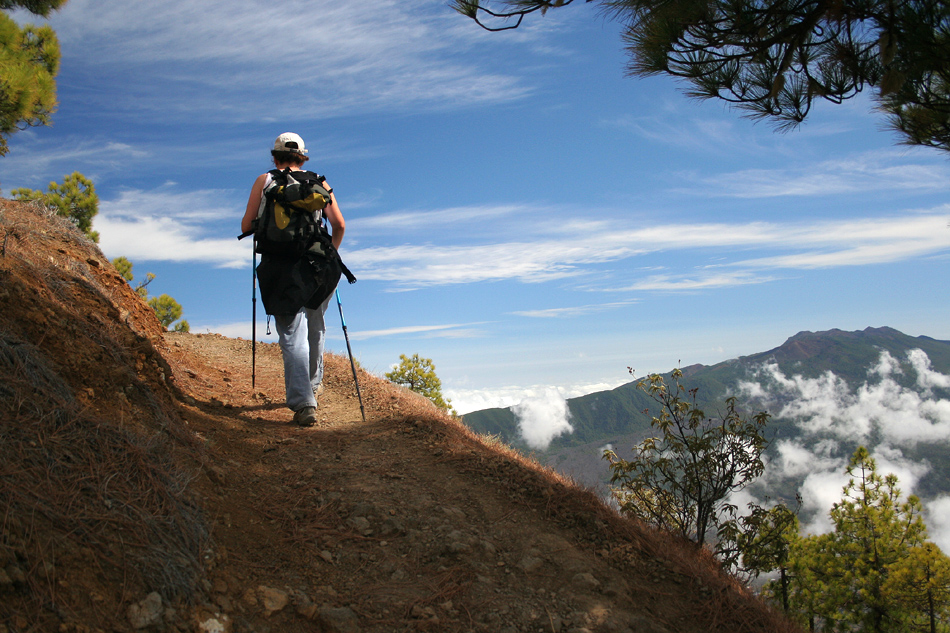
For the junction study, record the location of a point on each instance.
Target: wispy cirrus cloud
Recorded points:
(681, 130)
(791, 246)
(862, 242)
(94, 155)
(675, 122)
(702, 280)
(416, 266)
(168, 224)
(573, 311)
(477, 215)
(881, 171)
(360, 56)
(450, 330)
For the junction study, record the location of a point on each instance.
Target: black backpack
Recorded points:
(300, 266)
(289, 223)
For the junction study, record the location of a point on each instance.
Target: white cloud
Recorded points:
(827, 406)
(891, 460)
(573, 311)
(238, 329)
(468, 400)
(170, 224)
(851, 242)
(857, 174)
(699, 281)
(163, 225)
(819, 491)
(542, 417)
(937, 516)
(927, 378)
(880, 414)
(451, 330)
(821, 467)
(223, 59)
(796, 460)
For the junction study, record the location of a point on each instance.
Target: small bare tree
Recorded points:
(681, 481)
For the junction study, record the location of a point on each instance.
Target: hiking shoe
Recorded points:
(306, 416)
(318, 390)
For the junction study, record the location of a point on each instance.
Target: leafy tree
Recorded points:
(774, 58)
(682, 480)
(760, 542)
(182, 326)
(168, 311)
(920, 583)
(38, 7)
(142, 287)
(29, 61)
(875, 572)
(166, 308)
(418, 374)
(75, 199)
(807, 589)
(124, 266)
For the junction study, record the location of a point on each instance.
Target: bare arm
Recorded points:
(253, 204)
(335, 218)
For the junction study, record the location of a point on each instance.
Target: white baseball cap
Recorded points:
(290, 142)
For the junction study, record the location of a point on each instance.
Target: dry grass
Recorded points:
(71, 485)
(99, 491)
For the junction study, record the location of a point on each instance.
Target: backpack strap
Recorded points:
(350, 277)
(317, 178)
(266, 194)
(277, 178)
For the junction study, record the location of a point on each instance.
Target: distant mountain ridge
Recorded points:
(617, 417)
(810, 354)
(847, 354)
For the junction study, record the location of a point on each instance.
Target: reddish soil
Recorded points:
(146, 484)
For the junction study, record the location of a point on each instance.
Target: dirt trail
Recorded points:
(399, 520)
(147, 486)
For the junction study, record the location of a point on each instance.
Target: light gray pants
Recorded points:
(302, 340)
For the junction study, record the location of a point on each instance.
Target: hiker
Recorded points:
(286, 282)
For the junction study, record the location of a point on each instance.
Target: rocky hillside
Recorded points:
(146, 486)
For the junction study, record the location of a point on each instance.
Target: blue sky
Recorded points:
(517, 210)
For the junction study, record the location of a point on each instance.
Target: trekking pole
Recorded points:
(254, 317)
(349, 351)
(253, 305)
